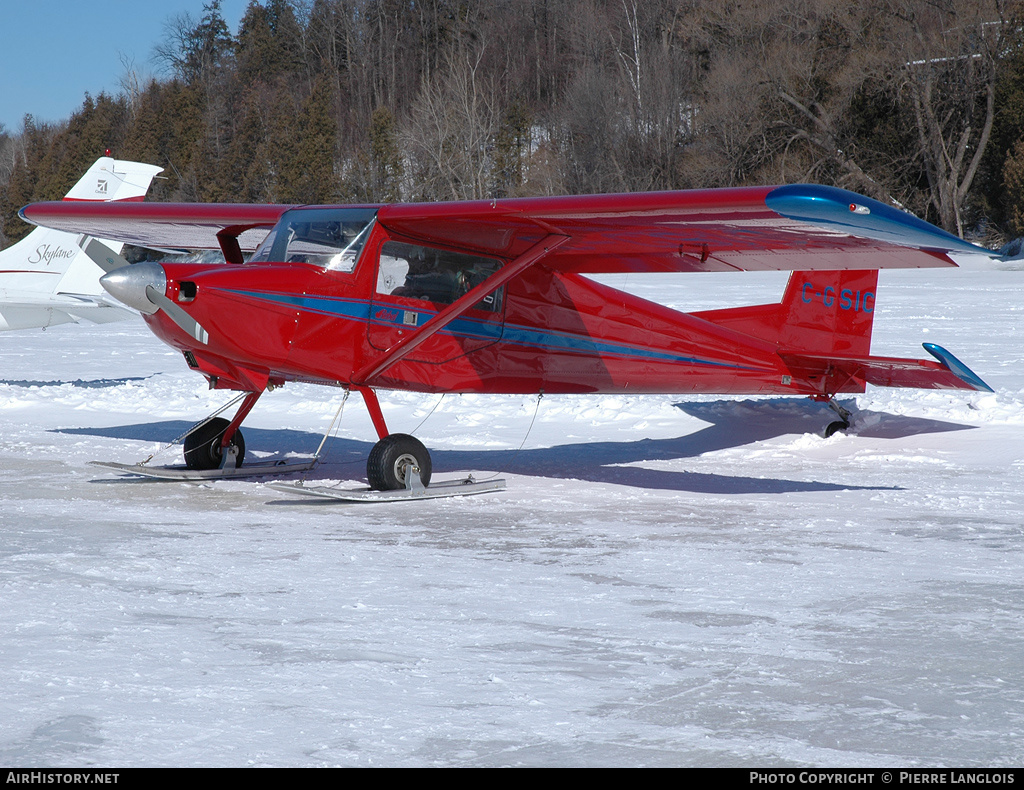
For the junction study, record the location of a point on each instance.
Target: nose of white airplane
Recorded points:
(128, 285)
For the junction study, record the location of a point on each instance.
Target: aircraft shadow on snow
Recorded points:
(732, 424)
(86, 384)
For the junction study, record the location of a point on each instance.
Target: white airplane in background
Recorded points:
(46, 278)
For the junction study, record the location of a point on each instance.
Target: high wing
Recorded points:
(167, 226)
(796, 227)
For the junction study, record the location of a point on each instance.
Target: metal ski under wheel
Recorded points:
(413, 490)
(182, 472)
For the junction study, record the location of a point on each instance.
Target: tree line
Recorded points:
(919, 103)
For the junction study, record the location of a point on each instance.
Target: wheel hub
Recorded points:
(402, 465)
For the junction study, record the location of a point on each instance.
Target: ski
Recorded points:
(184, 473)
(453, 488)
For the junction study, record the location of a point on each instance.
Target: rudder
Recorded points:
(828, 312)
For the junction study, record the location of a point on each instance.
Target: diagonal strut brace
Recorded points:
(362, 377)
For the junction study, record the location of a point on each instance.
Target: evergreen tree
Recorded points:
(511, 146)
(198, 51)
(1013, 186)
(269, 40)
(314, 179)
(142, 140)
(385, 157)
(183, 120)
(24, 185)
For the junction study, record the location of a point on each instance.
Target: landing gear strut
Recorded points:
(217, 443)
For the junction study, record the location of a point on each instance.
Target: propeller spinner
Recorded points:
(142, 286)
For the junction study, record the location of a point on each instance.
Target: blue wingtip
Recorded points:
(958, 368)
(857, 215)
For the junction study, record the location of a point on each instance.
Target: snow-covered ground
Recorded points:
(664, 582)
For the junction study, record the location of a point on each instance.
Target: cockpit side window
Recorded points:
(263, 251)
(329, 238)
(434, 275)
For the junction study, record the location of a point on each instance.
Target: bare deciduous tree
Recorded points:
(950, 50)
(450, 132)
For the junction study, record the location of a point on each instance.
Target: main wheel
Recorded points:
(836, 427)
(390, 461)
(202, 446)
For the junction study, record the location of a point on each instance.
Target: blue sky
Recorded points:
(53, 52)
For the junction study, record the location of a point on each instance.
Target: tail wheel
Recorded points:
(202, 446)
(839, 426)
(391, 460)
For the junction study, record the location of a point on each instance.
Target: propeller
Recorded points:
(101, 254)
(187, 323)
(140, 285)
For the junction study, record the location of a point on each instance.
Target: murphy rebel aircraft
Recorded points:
(46, 279)
(491, 297)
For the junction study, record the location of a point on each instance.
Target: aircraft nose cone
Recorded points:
(128, 285)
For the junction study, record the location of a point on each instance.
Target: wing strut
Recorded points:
(373, 406)
(363, 376)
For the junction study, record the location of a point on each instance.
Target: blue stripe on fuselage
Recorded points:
(360, 310)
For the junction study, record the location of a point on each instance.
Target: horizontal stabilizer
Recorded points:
(844, 374)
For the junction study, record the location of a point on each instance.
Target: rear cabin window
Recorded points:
(435, 275)
(329, 238)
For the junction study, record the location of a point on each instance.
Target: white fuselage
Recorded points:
(46, 279)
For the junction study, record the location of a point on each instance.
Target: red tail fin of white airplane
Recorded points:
(46, 279)
(114, 179)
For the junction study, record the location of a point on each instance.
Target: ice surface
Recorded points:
(664, 582)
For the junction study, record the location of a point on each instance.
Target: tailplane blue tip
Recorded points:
(957, 367)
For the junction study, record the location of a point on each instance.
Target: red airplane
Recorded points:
(490, 297)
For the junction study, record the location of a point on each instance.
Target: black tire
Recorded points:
(836, 427)
(202, 446)
(389, 459)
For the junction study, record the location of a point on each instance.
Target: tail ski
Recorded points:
(46, 279)
(822, 330)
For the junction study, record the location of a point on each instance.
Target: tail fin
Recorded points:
(826, 339)
(822, 312)
(45, 278)
(829, 312)
(113, 179)
(822, 332)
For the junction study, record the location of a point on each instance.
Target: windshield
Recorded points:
(328, 237)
